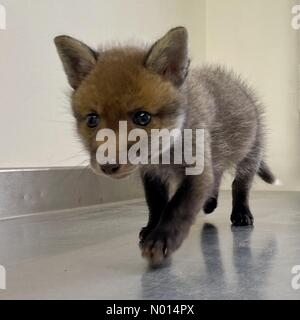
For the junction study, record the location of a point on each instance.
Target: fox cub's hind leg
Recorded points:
(246, 170)
(212, 202)
(157, 197)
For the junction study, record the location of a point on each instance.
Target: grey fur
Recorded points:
(221, 103)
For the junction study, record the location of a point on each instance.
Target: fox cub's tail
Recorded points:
(266, 174)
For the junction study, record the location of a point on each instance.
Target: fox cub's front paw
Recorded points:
(160, 244)
(145, 232)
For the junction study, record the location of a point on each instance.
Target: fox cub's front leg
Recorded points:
(176, 219)
(157, 197)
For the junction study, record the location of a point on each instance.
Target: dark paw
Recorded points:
(159, 245)
(210, 205)
(145, 232)
(242, 217)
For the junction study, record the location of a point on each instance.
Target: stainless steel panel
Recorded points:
(26, 191)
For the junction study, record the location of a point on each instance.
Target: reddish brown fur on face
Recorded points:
(118, 86)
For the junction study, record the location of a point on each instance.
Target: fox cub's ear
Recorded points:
(77, 58)
(169, 56)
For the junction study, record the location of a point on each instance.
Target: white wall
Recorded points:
(256, 39)
(35, 125)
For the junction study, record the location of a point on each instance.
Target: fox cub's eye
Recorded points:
(93, 120)
(142, 118)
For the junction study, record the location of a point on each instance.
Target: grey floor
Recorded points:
(95, 255)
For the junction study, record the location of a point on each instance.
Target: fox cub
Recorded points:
(154, 88)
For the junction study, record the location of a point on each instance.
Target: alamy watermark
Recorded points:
(296, 279)
(296, 17)
(2, 278)
(139, 147)
(2, 17)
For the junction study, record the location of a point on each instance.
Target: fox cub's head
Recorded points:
(140, 86)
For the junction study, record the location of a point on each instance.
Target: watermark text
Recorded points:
(296, 17)
(2, 17)
(2, 278)
(159, 146)
(296, 278)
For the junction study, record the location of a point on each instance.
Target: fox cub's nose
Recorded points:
(110, 168)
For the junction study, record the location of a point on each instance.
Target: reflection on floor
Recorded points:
(95, 255)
